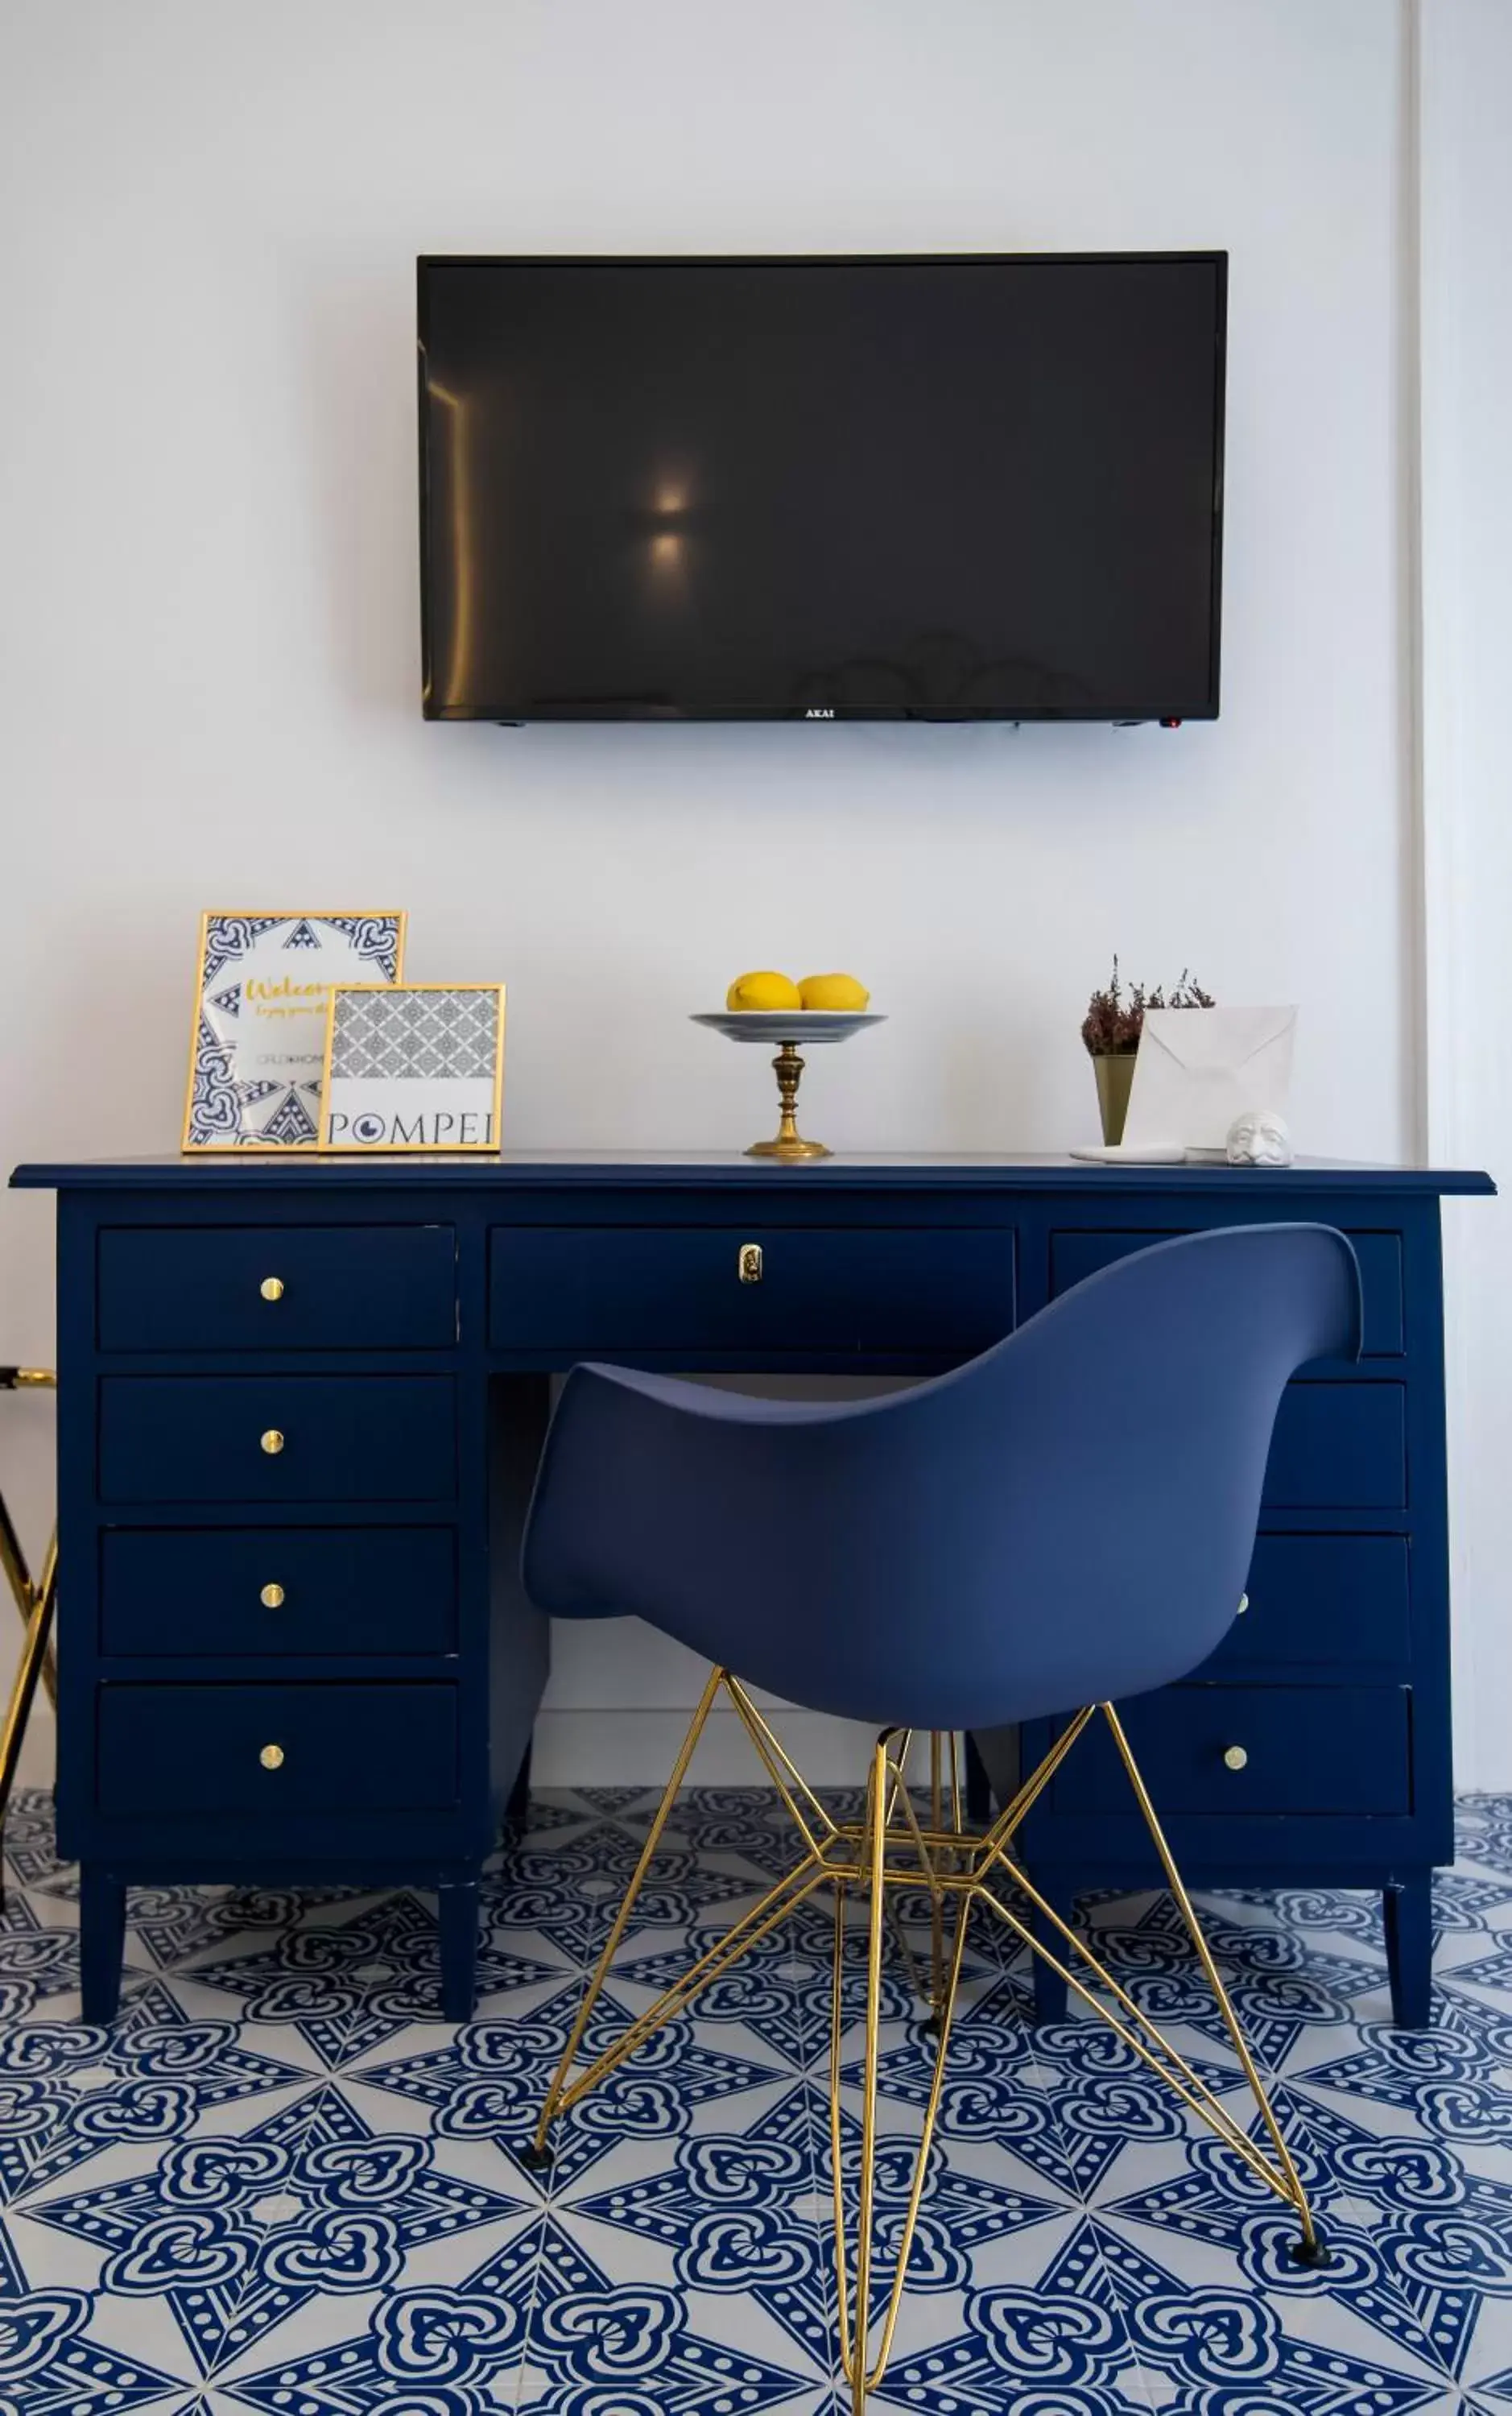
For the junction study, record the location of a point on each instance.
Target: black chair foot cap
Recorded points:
(934, 2027)
(534, 2159)
(1312, 2253)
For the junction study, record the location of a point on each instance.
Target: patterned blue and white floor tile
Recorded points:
(280, 2184)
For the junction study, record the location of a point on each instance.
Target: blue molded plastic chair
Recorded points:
(971, 1553)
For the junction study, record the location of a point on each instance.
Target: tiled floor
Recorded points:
(280, 2184)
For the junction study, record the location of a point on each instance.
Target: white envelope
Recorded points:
(1198, 1067)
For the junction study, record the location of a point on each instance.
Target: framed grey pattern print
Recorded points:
(413, 1066)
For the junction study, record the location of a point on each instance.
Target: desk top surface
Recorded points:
(624, 1169)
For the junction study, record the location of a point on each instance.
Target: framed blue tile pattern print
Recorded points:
(418, 1066)
(260, 1001)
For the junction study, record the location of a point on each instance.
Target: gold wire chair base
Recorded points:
(35, 1601)
(890, 1850)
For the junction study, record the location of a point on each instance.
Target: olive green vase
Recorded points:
(1113, 1076)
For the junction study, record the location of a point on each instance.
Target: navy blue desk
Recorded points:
(300, 1408)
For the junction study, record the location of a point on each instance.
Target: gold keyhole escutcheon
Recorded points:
(273, 1443)
(1235, 1758)
(271, 1757)
(749, 1262)
(271, 1287)
(271, 1597)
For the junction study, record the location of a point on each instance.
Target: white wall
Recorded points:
(1466, 78)
(209, 642)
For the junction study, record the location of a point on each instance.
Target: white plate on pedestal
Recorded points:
(1118, 1152)
(787, 1033)
(783, 1027)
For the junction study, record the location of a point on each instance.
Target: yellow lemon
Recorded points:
(838, 994)
(754, 993)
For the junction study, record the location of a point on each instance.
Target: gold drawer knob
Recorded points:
(271, 1757)
(273, 1443)
(271, 1597)
(748, 1262)
(271, 1287)
(1235, 1758)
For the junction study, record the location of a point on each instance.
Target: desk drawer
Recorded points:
(192, 1752)
(343, 1439)
(1325, 1749)
(1338, 1446)
(631, 1289)
(1337, 1601)
(1074, 1256)
(342, 1590)
(341, 1287)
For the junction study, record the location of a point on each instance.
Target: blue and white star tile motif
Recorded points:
(1102, 2322)
(35, 1962)
(278, 2183)
(1463, 1901)
(563, 1811)
(31, 1845)
(730, 2207)
(350, 1985)
(773, 1992)
(173, 1922)
(490, 2081)
(1492, 1971)
(50, 2366)
(570, 1892)
(1482, 1832)
(541, 2317)
(239, 2233)
(1455, 2078)
(1421, 2246)
(1067, 2099)
(67, 2091)
(1280, 1985)
(616, 1801)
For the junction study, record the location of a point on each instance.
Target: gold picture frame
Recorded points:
(443, 1053)
(264, 1111)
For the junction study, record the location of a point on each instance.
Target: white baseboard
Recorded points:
(633, 1748)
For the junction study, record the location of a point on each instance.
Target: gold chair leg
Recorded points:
(33, 1663)
(755, 1924)
(874, 1861)
(1140, 2033)
(538, 2154)
(1309, 2250)
(890, 1849)
(937, 1906)
(885, 1793)
(12, 1559)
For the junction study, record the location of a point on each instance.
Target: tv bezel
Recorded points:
(1169, 710)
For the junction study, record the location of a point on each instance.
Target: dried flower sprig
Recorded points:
(1116, 1017)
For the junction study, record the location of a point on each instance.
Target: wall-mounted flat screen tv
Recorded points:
(822, 489)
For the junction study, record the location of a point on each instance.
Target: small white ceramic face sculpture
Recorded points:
(1258, 1138)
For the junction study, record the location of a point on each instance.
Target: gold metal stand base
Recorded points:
(789, 1144)
(796, 1149)
(893, 1853)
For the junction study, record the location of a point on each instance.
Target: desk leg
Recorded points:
(978, 1786)
(457, 1909)
(519, 1807)
(1408, 1908)
(1050, 1991)
(101, 1941)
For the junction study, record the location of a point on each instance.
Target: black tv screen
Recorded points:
(822, 489)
